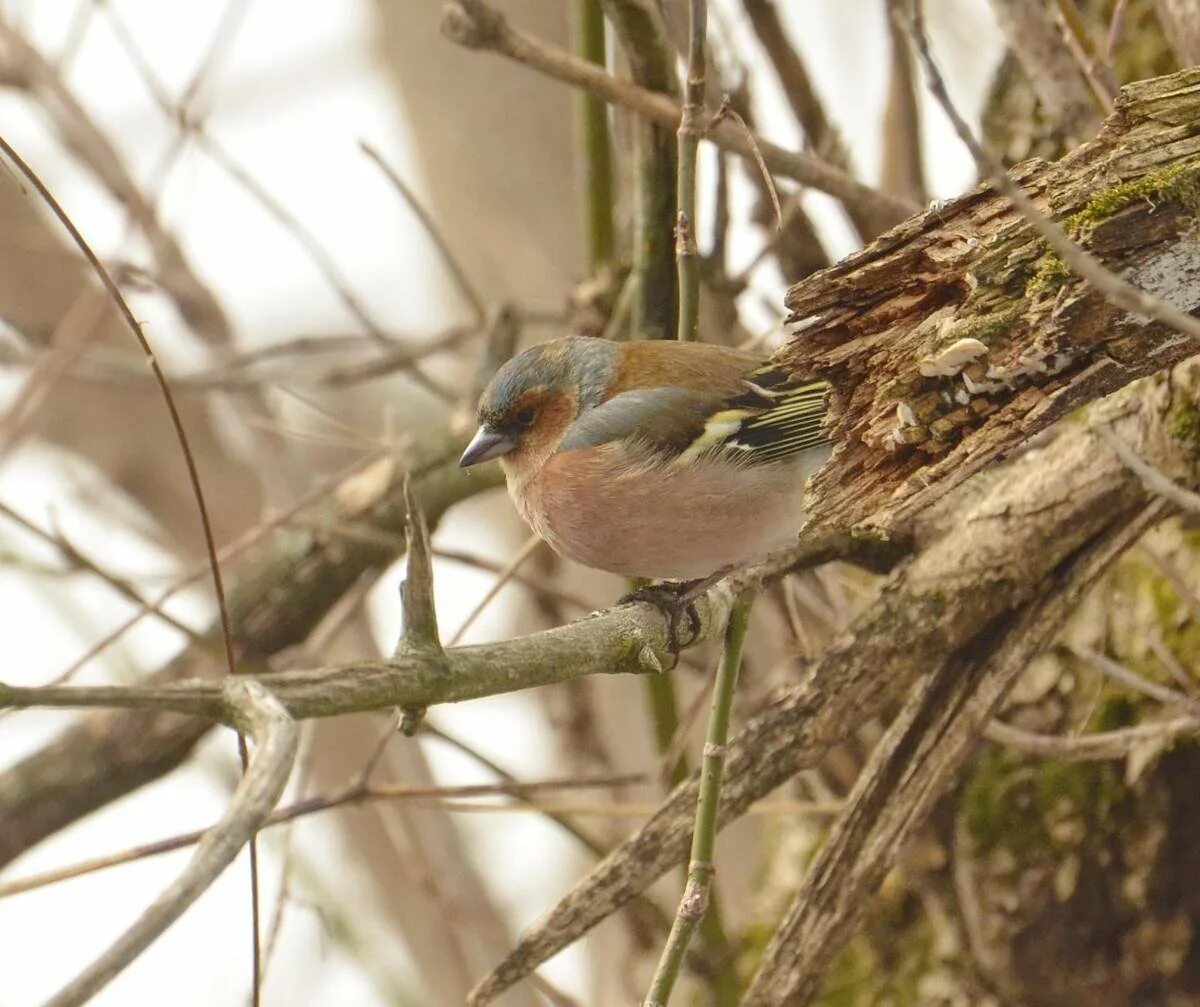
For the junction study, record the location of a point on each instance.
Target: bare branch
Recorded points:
(477, 26)
(1181, 26)
(1094, 747)
(258, 715)
(457, 272)
(1151, 478)
(631, 639)
(918, 758)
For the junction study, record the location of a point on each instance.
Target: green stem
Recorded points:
(595, 140)
(691, 126)
(694, 904)
(652, 65)
(717, 952)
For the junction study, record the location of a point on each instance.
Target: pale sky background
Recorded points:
(296, 72)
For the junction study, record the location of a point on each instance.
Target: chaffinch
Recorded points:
(653, 459)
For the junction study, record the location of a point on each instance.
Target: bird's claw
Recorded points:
(674, 599)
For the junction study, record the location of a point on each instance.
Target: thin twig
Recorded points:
(359, 792)
(1118, 291)
(1150, 477)
(246, 541)
(531, 584)
(1123, 676)
(687, 252)
(457, 272)
(176, 420)
(119, 584)
(701, 868)
(320, 257)
(1095, 747)
(1186, 591)
(727, 111)
(275, 736)
(506, 574)
(476, 25)
(1169, 661)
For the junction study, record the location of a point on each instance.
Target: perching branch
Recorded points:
(627, 640)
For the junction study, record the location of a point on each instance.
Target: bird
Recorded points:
(663, 460)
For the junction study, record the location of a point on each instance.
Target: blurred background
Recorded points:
(330, 220)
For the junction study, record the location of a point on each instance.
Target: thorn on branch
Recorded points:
(416, 591)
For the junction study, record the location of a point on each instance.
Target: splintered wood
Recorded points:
(957, 336)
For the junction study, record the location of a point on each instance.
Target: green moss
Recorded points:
(1183, 421)
(1144, 51)
(936, 601)
(998, 804)
(884, 964)
(1117, 710)
(854, 977)
(1179, 182)
(1170, 614)
(1015, 804)
(990, 326)
(1050, 274)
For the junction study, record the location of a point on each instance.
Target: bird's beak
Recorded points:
(486, 445)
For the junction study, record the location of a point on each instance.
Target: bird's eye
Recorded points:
(526, 416)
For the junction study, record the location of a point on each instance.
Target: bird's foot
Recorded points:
(675, 599)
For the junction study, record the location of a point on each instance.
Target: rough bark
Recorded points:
(958, 335)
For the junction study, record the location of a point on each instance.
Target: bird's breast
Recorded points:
(647, 519)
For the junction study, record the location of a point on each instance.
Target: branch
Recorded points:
(1181, 26)
(1037, 43)
(475, 25)
(631, 639)
(643, 36)
(687, 251)
(255, 713)
(957, 337)
(279, 593)
(917, 760)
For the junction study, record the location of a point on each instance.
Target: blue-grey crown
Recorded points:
(578, 362)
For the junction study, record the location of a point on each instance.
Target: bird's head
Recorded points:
(526, 409)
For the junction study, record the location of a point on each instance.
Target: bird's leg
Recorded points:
(675, 599)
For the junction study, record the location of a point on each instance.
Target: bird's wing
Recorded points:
(774, 418)
(663, 421)
(769, 417)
